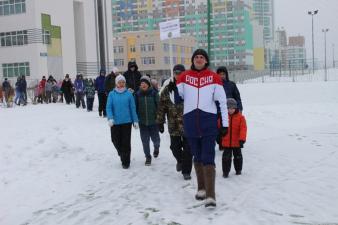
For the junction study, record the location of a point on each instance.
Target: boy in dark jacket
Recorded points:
(90, 94)
(101, 93)
(230, 87)
(234, 140)
(146, 107)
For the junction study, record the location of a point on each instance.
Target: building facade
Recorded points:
(231, 37)
(41, 38)
(150, 53)
(263, 12)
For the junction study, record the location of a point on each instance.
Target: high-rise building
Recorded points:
(296, 52)
(41, 38)
(263, 11)
(231, 37)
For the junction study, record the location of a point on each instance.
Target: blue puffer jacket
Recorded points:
(99, 84)
(121, 107)
(79, 86)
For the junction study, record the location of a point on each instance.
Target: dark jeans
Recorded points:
(227, 158)
(90, 102)
(120, 136)
(148, 132)
(80, 98)
(68, 97)
(181, 151)
(102, 103)
(203, 149)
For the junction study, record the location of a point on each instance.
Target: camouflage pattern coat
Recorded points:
(173, 112)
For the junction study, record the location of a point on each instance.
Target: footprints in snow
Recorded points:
(299, 137)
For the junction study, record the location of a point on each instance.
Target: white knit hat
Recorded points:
(120, 77)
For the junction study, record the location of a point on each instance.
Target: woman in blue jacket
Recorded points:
(121, 114)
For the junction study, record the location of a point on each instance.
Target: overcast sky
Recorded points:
(293, 16)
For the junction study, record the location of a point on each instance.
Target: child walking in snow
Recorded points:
(90, 94)
(233, 141)
(147, 99)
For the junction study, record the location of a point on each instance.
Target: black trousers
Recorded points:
(227, 158)
(80, 99)
(68, 97)
(181, 151)
(90, 102)
(102, 103)
(120, 136)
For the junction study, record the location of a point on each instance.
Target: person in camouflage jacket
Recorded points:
(174, 112)
(90, 94)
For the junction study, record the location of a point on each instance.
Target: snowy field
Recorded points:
(58, 166)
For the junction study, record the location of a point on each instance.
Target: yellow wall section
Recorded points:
(54, 49)
(131, 41)
(258, 54)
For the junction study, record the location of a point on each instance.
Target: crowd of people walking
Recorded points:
(199, 107)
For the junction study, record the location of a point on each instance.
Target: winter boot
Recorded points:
(238, 163)
(226, 162)
(179, 167)
(209, 179)
(200, 195)
(186, 176)
(156, 152)
(148, 161)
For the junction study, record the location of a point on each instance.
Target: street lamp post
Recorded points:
(312, 13)
(325, 31)
(333, 63)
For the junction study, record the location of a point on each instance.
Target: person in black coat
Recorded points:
(230, 87)
(66, 89)
(133, 77)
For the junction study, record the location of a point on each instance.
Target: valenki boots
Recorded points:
(209, 181)
(200, 195)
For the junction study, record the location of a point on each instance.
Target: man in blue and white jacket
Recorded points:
(200, 88)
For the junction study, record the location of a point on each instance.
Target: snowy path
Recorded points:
(58, 166)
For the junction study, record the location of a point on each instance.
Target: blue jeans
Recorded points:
(203, 149)
(148, 132)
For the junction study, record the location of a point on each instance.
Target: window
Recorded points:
(11, 7)
(118, 62)
(14, 38)
(148, 60)
(46, 37)
(15, 69)
(132, 48)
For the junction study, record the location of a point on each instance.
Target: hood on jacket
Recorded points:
(224, 70)
(132, 64)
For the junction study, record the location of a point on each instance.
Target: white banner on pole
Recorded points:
(170, 29)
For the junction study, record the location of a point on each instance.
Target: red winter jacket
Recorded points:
(236, 132)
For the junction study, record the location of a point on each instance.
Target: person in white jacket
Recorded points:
(200, 89)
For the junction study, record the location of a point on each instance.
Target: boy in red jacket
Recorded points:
(234, 140)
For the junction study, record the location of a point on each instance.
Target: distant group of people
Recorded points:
(200, 107)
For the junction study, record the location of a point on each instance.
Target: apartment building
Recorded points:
(41, 38)
(150, 53)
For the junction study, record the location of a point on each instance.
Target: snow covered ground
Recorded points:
(58, 166)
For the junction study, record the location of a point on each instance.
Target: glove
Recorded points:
(111, 122)
(161, 127)
(136, 126)
(223, 131)
(241, 144)
(131, 90)
(172, 86)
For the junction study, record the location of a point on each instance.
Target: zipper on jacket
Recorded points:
(145, 98)
(198, 112)
(230, 130)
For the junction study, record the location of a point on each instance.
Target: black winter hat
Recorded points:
(146, 80)
(200, 52)
(179, 67)
(224, 70)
